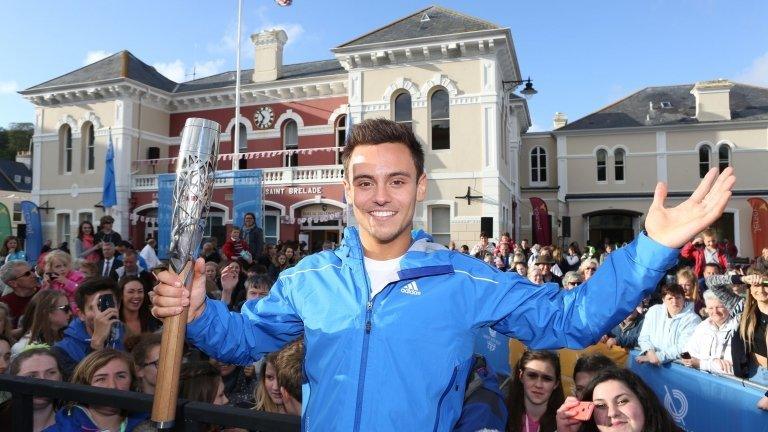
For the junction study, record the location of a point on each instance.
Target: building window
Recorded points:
(271, 227)
(618, 164)
(86, 216)
(538, 165)
(89, 147)
(341, 136)
(440, 224)
(242, 145)
(17, 212)
(63, 228)
(65, 140)
(403, 111)
(440, 120)
(602, 155)
(724, 157)
(704, 152)
(291, 142)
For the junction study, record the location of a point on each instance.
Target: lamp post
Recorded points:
(527, 92)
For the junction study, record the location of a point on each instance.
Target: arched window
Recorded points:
(538, 165)
(65, 141)
(440, 120)
(602, 155)
(724, 157)
(618, 164)
(704, 152)
(89, 147)
(242, 144)
(291, 142)
(341, 136)
(403, 111)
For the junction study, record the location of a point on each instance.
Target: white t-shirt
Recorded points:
(382, 273)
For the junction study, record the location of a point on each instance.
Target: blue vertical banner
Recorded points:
(247, 195)
(494, 346)
(109, 194)
(165, 184)
(34, 239)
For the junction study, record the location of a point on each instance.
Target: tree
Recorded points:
(14, 139)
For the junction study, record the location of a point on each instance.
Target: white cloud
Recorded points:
(94, 56)
(228, 41)
(293, 30)
(8, 87)
(756, 73)
(178, 71)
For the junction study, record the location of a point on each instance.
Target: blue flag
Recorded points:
(34, 234)
(109, 195)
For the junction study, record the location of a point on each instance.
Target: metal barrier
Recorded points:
(190, 415)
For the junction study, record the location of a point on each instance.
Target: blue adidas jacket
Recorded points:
(400, 360)
(76, 419)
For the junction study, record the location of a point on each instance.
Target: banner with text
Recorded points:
(165, 184)
(34, 240)
(759, 225)
(700, 402)
(5, 222)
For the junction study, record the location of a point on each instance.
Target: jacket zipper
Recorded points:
(364, 357)
(442, 397)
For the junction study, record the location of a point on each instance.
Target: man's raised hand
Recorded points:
(673, 227)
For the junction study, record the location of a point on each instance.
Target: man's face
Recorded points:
(108, 250)
(148, 372)
(674, 303)
(130, 263)
(24, 282)
(106, 226)
(545, 268)
(710, 271)
(383, 187)
(249, 220)
(92, 308)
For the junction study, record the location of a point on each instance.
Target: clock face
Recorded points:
(264, 117)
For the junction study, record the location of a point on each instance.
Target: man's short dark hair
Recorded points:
(715, 265)
(91, 286)
(380, 131)
(593, 363)
(672, 289)
(106, 219)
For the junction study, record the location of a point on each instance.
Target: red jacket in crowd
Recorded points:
(232, 249)
(697, 254)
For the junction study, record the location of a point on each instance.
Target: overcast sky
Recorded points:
(581, 55)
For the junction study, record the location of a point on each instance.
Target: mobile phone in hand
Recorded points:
(583, 411)
(685, 356)
(106, 301)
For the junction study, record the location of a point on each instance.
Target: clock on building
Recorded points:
(264, 117)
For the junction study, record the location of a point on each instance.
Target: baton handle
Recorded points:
(169, 366)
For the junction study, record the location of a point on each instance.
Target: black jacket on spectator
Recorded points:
(255, 239)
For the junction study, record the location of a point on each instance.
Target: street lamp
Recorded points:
(527, 92)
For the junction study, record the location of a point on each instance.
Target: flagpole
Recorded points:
(236, 130)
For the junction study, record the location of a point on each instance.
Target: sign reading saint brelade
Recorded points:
(311, 190)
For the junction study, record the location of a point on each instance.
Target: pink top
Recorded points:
(74, 278)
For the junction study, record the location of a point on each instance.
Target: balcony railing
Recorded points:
(272, 176)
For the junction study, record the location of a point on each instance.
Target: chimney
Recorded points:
(713, 100)
(268, 54)
(560, 120)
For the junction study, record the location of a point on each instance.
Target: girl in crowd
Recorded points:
(535, 393)
(48, 321)
(200, 381)
(291, 256)
(268, 396)
(520, 264)
(687, 280)
(5, 354)
(588, 268)
(11, 250)
(106, 368)
(750, 356)
(135, 310)
(239, 382)
(86, 246)
(229, 290)
(60, 276)
(622, 402)
(6, 323)
(572, 256)
(280, 264)
(35, 362)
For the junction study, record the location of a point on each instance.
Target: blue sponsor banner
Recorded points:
(246, 195)
(494, 346)
(34, 239)
(699, 401)
(165, 184)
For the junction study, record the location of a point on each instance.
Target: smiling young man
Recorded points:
(390, 318)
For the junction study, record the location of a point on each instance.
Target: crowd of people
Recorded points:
(84, 316)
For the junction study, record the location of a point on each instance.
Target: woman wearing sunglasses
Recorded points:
(535, 393)
(50, 318)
